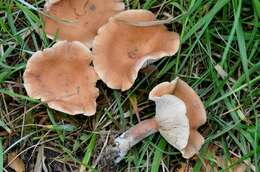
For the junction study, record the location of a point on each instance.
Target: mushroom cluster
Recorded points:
(64, 76)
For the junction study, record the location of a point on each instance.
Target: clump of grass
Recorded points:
(219, 57)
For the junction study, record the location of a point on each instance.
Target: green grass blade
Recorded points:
(2, 124)
(256, 4)
(89, 150)
(232, 33)
(158, 156)
(148, 4)
(206, 19)
(55, 126)
(22, 97)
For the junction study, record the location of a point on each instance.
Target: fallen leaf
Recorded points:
(15, 162)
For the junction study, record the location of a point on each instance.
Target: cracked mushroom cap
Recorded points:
(121, 49)
(195, 111)
(172, 120)
(78, 20)
(62, 77)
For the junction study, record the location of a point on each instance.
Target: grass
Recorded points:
(213, 32)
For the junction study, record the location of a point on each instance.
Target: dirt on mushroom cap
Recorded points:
(121, 49)
(62, 77)
(78, 20)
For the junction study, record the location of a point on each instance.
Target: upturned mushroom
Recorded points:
(170, 120)
(122, 48)
(78, 20)
(62, 77)
(196, 112)
(179, 112)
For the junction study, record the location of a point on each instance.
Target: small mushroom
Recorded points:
(170, 120)
(195, 110)
(78, 20)
(62, 77)
(179, 113)
(121, 48)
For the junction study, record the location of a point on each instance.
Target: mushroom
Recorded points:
(62, 77)
(122, 48)
(179, 112)
(195, 111)
(78, 19)
(170, 120)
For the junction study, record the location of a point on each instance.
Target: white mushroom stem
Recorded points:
(134, 135)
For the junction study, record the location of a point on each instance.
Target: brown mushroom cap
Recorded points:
(194, 144)
(195, 110)
(82, 18)
(121, 49)
(62, 77)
